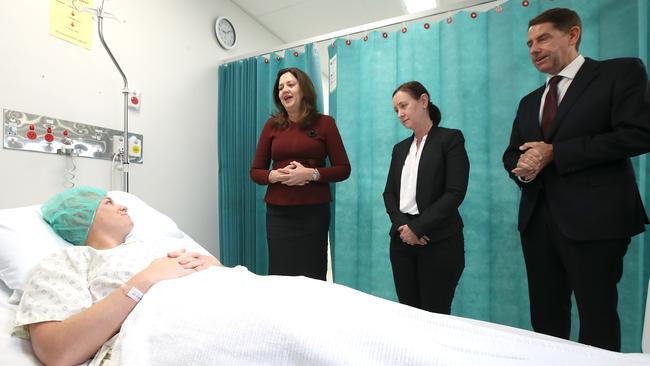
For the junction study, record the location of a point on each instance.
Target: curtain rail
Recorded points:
(366, 27)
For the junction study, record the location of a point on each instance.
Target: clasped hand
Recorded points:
(294, 174)
(536, 156)
(176, 264)
(408, 236)
(193, 260)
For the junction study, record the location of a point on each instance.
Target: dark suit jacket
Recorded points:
(443, 172)
(602, 121)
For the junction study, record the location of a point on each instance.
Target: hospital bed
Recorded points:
(243, 318)
(25, 239)
(15, 351)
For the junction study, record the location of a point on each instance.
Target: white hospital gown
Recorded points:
(73, 279)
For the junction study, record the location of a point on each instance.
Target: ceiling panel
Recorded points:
(325, 19)
(295, 20)
(261, 7)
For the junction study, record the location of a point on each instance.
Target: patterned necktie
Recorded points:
(550, 104)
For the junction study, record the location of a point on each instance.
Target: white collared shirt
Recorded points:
(409, 182)
(568, 74)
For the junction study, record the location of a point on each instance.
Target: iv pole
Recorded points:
(124, 156)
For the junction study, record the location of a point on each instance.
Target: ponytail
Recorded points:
(415, 89)
(434, 113)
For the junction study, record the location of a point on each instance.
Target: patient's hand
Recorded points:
(164, 268)
(184, 258)
(193, 260)
(208, 261)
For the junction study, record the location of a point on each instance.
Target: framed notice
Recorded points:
(69, 24)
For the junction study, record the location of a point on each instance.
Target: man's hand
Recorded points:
(536, 156)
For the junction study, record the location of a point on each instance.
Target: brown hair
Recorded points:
(562, 19)
(281, 118)
(415, 89)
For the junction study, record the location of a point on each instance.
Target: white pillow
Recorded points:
(147, 222)
(25, 238)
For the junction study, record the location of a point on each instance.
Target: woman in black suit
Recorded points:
(426, 184)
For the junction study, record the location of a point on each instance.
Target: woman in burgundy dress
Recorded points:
(290, 159)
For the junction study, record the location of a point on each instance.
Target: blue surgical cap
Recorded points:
(71, 212)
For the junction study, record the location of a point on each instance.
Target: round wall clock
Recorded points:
(225, 33)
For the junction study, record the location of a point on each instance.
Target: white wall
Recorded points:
(169, 53)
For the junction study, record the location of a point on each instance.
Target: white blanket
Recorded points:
(229, 316)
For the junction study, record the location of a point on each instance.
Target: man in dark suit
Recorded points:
(569, 152)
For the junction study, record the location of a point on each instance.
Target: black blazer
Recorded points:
(602, 121)
(443, 172)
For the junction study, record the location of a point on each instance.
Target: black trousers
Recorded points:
(426, 276)
(558, 266)
(297, 239)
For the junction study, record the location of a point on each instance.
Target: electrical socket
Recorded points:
(135, 147)
(118, 144)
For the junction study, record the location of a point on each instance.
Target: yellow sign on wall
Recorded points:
(69, 24)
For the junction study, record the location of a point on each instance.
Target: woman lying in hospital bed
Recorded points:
(117, 298)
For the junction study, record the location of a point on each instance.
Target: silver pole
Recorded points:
(124, 155)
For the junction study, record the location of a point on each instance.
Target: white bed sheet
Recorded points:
(229, 316)
(14, 351)
(17, 352)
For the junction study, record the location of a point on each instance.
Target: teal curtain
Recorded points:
(245, 104)
(236, 131)
(476, 67)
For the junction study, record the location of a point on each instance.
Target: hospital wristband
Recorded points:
(132, 292)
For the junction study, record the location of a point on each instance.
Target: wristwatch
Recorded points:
(315, 175)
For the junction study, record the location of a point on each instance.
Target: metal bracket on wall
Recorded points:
(32, 132)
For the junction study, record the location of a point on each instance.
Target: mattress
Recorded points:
(15, 351)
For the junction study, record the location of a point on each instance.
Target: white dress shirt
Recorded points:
(568, 74)
(409, 180)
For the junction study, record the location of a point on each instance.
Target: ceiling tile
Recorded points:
(312, 18)
(263, 7)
